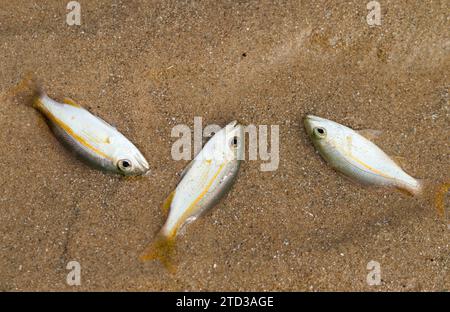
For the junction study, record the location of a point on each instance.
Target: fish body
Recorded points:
(207, 178)
(357, 157)
(90, 137)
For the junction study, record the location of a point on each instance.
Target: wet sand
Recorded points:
(148, 67)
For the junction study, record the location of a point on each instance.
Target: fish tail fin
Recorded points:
(435, 193)
(29, 81)
(37, 92)
(162, 249)
(440, 193)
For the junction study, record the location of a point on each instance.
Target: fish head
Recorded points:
(227, 144)
(321, 131)
(132, 163)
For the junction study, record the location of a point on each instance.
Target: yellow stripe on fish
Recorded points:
(192, 207)
(208, 177)
(90, 137)
(357, 157)
(361, 160)
(362, 163)
(69, 131)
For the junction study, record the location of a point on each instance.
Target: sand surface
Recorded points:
(146, 67)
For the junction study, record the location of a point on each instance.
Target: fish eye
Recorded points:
(234, 142)
(320, 132)
(124, 165)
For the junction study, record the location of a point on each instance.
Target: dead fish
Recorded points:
(90, 137)
(208, 177)
(351, 153)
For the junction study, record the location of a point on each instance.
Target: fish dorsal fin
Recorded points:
(370, 134)
(167, 203)
(70, 102)
(400, 160)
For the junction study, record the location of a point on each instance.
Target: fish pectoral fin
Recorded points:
(97, 137)
(167, 203)
(370, 134)
(189, 166)
(71, 102)
(162, 249)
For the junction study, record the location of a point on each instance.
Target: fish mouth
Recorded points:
(146, 167)
(233, 124)
(143, 164)
(311, 121)
(313, 118)
(234, 129)
(307, 122)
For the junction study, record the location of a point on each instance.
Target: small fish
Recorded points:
(356, 157)
(207, 178)
(351, 153)
(90, 137)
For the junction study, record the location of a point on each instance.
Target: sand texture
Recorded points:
(146, 66)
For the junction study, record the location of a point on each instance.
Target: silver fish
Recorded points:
(207, 178)
(90, 137)
(357, 157)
